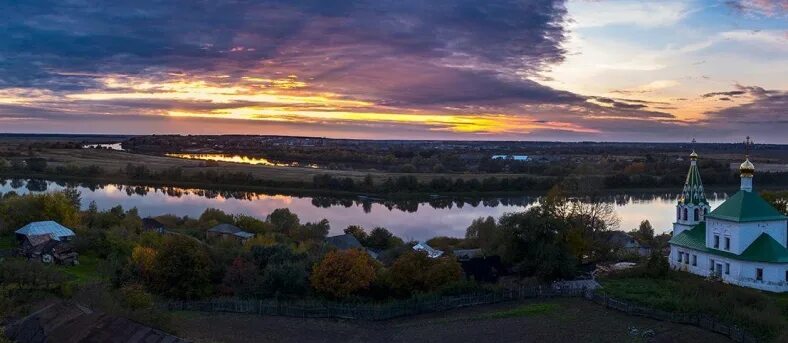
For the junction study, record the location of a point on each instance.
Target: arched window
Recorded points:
(684, 214)
(697, 214)
(678, 213)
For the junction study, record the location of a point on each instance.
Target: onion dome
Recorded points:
(694, 156)
(747, 168)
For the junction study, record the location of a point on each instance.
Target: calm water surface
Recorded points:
(409, 219)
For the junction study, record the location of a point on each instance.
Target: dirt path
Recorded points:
(558, 320)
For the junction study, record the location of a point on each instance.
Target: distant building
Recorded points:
(229, 231)
(521, 158)
(431, 252)
(744, 241)
(467, 254)
(623, 242)
(150, 224)
(347, 242)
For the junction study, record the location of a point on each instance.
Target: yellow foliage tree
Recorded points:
(143, 258)
(342, 273)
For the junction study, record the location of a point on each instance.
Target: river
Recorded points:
(417, 220)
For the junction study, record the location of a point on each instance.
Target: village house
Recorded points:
(347, 242)
(228, 231)
(153, 225)
(743, 241)
(47, 241)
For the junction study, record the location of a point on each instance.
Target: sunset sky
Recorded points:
(399, 69)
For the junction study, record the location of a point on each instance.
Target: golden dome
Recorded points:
(693, 155)
(747, 168)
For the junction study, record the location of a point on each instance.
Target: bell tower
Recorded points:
(692, 206)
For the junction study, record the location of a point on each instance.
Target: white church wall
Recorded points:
(741, 273)
(742, 234)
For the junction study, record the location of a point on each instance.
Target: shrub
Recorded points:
(416, 272)
(342, 273)
(182, 269)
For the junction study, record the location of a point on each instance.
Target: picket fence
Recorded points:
(420, 305)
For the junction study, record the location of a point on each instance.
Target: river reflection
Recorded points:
(238, 159)
(409, 219)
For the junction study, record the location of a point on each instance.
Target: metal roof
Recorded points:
(693, 188)
(51, 228)
(763, 249)
(746, 206)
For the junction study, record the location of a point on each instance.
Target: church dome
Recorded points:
(694, 155)
(747, 168)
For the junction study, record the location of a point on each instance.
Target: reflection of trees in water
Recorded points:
(366, 203)
(36, 185)
(17, 183)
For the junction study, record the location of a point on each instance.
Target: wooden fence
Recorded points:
(419, 305)
(366, 311)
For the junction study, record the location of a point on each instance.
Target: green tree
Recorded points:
(778, 200)
(358, 232)
(182, 269)
(283, 220)
(380, 238)
(415, 272)
(216, 216)
(482, 233)
(535, 243)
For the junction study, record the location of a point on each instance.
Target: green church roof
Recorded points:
(763, 249)
(693, 188)
(746, 206)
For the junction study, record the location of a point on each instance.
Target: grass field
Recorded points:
(85, 272)
(7, 242)
(762, 313)
(112, 161)
(554, 320)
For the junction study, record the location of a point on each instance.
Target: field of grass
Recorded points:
(7, 242)
(85, 272)
(553, 320)
(112, 161)
(764, 314)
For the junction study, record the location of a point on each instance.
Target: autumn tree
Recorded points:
(142, 260)
(342, 273)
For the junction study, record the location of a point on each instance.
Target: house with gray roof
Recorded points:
(229, 231)
(49, 228)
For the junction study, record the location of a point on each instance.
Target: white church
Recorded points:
(744, 241)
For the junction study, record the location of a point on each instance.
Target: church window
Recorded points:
(694, 260)
(711, 264)
(678, 213)
(697, 214)
(786, 275)
(759, 274)
(684, 214)
(727, 243)
(727, 268)
(680, 256)
(716, 241)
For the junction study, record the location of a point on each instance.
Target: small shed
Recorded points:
(229, 231)
(50, 228)
(348, 241)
